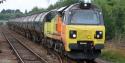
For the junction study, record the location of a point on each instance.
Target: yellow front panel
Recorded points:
(84, 33)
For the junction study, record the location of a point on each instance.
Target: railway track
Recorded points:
(24, 43)
(56, 54)
(23, 53)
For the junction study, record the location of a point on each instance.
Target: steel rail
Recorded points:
(59, 57)
(32, 51)
(17, 54)
(55, 53)
(42, 60)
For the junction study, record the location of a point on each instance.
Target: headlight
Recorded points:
(73, 34)
(99, 35)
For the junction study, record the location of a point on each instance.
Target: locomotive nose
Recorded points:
(85, 35)
(93, 35)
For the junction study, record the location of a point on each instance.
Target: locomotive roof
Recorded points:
(75, 6)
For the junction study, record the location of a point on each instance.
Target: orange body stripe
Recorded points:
(59, 25)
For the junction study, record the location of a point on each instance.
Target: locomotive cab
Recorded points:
(77, 30)
(84, 31)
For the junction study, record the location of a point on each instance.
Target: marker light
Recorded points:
(86, 1)
(100, 32)
(85, 5)
(99, 35)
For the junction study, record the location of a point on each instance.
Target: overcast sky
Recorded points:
(25, 4)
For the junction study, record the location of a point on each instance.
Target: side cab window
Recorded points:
(64, 19)
(50, 16)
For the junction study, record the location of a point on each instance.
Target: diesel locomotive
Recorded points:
(76, 31)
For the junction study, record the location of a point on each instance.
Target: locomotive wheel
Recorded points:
(45, 42)
(50, 43)
(38, 39)
(61, 49)
(54, 45)
(33, 38)
(30, 36)
(42, 41)
(27, 36)
(58, 46)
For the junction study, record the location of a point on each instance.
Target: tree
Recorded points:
(36, 10)
(8, 14)
(113, 11)
(26, 12)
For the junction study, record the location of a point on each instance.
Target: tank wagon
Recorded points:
(76, 31)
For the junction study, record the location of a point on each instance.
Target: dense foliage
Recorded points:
(36, 10)
(7, 14)
(114, 17)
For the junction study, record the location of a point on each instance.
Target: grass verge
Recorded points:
(113, 56)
